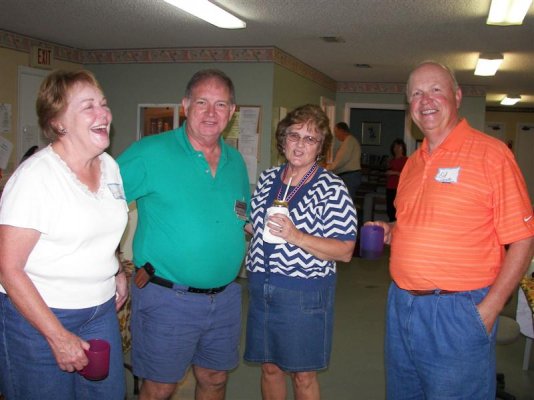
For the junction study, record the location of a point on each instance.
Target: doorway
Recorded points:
(28, 132)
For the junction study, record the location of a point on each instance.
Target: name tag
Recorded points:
(447, 175)
(117, 191)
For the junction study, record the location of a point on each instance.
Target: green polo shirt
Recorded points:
(187, 225)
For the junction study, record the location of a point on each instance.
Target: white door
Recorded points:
(329, 107)
(28, 132)
(523, 149)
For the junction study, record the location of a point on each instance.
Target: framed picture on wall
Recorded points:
(371, 133)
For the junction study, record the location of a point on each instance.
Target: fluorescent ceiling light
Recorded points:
(508, 12)
(510, 99)
(488, 64)
(209, 12)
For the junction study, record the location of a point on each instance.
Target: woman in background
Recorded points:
(62, 215)
(396, 164)
(292, 285)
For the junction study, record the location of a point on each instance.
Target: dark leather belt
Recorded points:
(206, 291)
(429, 292)
(169, 284)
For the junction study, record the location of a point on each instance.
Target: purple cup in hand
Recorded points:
(98, 355)
(371, 241)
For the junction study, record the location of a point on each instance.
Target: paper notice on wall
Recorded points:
(248, 119)
(6, 147)
(252, 167)
(248, 147)
(5, 118)
(232, 129)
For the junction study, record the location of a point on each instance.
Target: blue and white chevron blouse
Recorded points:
(322, 207)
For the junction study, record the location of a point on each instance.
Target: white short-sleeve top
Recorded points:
(73, 264)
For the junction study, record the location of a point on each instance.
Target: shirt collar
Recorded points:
(454, 139)
(184, 141)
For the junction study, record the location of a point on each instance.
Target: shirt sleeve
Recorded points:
(134, 172)
(27, 202)
(339, 218)
(512, 206)
(342, 157)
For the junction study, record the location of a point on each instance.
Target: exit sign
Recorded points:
(41, 57)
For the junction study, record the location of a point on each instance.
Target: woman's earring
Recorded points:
(62, 131)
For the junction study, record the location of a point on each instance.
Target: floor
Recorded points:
(357, 369)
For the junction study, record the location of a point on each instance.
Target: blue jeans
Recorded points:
(28, 369)
(438, 348)
(352, 180)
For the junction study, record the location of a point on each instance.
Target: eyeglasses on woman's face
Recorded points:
(308, 140)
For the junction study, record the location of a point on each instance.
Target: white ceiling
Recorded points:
(390, 35)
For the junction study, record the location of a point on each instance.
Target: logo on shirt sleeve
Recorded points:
(447, 175)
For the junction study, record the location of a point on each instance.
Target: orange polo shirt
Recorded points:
(456, 209)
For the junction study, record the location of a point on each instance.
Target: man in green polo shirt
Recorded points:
(192, 195)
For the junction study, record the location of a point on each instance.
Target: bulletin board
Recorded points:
(243, 133)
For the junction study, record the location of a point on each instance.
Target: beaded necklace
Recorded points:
(296, 188)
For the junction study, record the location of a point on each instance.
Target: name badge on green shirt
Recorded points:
(240, 208)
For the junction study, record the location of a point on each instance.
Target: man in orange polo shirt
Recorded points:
(460, 201)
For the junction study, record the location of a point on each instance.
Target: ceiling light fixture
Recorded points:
(209, 12)
(508, 12)
(510, 99)
(488, 64)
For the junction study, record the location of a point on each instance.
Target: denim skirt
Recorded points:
(290, 328)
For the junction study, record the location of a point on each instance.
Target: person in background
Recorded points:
(346, 164)
(463, 239)
(396, 164)
(62, 215)
(192, 193)
(292, 285)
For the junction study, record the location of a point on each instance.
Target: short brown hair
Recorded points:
(206, 74)
(52, 97)
(311, 115)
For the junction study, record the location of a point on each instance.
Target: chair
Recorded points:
(124, 324)
(507, 333)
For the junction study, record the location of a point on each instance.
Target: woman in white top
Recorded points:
(62, 214)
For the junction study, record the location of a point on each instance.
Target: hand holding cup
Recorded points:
(98, 355)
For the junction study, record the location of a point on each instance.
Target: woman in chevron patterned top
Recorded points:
(292, 284)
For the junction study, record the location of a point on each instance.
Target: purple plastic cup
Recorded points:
(98, 355)
(371, 242)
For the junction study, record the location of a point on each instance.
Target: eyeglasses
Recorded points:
(308, 140)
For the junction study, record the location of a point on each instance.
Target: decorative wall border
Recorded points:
(398, 88)
(369, 87)
(170, 55)
(214, 54)
(178, 55)
(18, 42)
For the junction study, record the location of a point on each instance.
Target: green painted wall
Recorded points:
(472, 108)
(127, 85)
